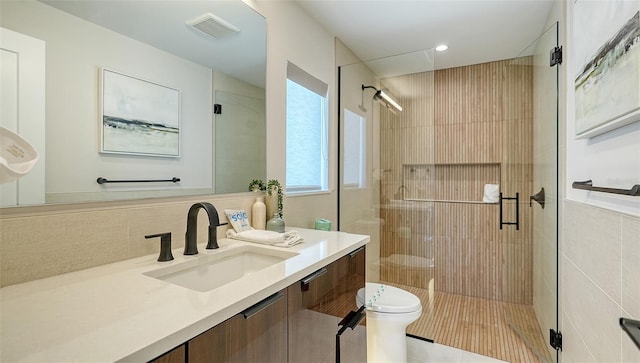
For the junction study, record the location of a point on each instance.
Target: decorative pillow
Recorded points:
(239, 219)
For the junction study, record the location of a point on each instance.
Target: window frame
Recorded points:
(302, 78)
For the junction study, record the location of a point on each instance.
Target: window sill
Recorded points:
(305, 194)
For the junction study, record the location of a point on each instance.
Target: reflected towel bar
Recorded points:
(588, 185)
(102, 180)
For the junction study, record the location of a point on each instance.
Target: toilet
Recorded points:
(389, 311)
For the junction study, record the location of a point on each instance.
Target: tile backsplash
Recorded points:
(38, 242)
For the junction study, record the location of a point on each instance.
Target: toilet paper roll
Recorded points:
(491, 193)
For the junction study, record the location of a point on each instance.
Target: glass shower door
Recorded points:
(385, 157)
(542, 203)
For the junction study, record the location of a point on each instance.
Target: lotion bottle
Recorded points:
(259, 214)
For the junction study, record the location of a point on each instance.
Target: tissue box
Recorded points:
(323, 224)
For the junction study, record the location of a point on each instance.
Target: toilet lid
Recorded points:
(387, 299)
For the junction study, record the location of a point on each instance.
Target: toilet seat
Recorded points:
(387, 299)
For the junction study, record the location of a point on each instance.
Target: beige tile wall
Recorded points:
(37, 242)
(599, 283)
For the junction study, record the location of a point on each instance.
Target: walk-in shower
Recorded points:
(415, 180)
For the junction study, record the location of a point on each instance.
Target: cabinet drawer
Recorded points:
(177, 355)
(257, 334)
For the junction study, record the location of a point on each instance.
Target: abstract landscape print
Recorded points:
(138, 117)
(607, 83)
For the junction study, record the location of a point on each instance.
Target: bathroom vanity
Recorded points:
(132, 310)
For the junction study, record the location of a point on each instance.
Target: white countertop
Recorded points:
(115, 313)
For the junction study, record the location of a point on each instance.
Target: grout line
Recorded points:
(591, 281)
(579, 336)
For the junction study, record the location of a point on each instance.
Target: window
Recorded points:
(307, 129)
(354, 127)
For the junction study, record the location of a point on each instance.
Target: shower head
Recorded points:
(384, 98)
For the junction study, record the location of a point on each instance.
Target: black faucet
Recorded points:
(191, 237)
(165, 246)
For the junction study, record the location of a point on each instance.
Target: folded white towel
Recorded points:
(491, 193)
(286, 239)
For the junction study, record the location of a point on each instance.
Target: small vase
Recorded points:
(258, 214)
(276, 223)
(272, 202)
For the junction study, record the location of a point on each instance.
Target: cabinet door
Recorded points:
(258, 334)
(317, 304)
(177, 355)
(353, 343)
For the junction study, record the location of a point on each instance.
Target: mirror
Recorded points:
(148, 42)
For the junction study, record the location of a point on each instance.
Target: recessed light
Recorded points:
(442, 47)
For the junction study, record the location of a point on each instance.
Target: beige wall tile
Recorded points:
(42, 246)
(592, 242)
(631, 265)
(574, 350)
(593, 314)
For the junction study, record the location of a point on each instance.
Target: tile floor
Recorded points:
(419, 351)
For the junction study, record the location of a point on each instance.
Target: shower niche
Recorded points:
(455, 183)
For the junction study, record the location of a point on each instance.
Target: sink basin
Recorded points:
(208, 272)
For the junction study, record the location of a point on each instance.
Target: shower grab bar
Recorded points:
(102, 180)
(517, 222)
(632, 328)
(634, 191)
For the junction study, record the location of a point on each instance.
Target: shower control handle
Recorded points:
(538, 197)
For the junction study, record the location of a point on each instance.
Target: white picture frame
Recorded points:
(607, 56)
(138, 116)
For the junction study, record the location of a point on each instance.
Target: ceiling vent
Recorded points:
(212, 25)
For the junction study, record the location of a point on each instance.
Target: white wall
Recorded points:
(75, 52)
(294, 36)
(611, 159)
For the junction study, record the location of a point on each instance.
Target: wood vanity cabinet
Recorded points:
(317, 303)
(177, 355)
(297, 324)
(257, 334)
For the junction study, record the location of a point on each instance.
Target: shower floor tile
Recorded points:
(481, 326)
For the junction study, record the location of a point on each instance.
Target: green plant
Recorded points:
(275, 184)
(256, 184)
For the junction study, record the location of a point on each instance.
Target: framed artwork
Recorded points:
(607, 54)
(138, 117)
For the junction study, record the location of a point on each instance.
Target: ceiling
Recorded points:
(476, 31)
(161, 24)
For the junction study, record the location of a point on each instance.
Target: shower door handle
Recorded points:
(517, 222)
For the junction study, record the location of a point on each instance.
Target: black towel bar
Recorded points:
(588, 185)
(102, 180)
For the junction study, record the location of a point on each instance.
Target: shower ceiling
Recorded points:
(476, 31)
